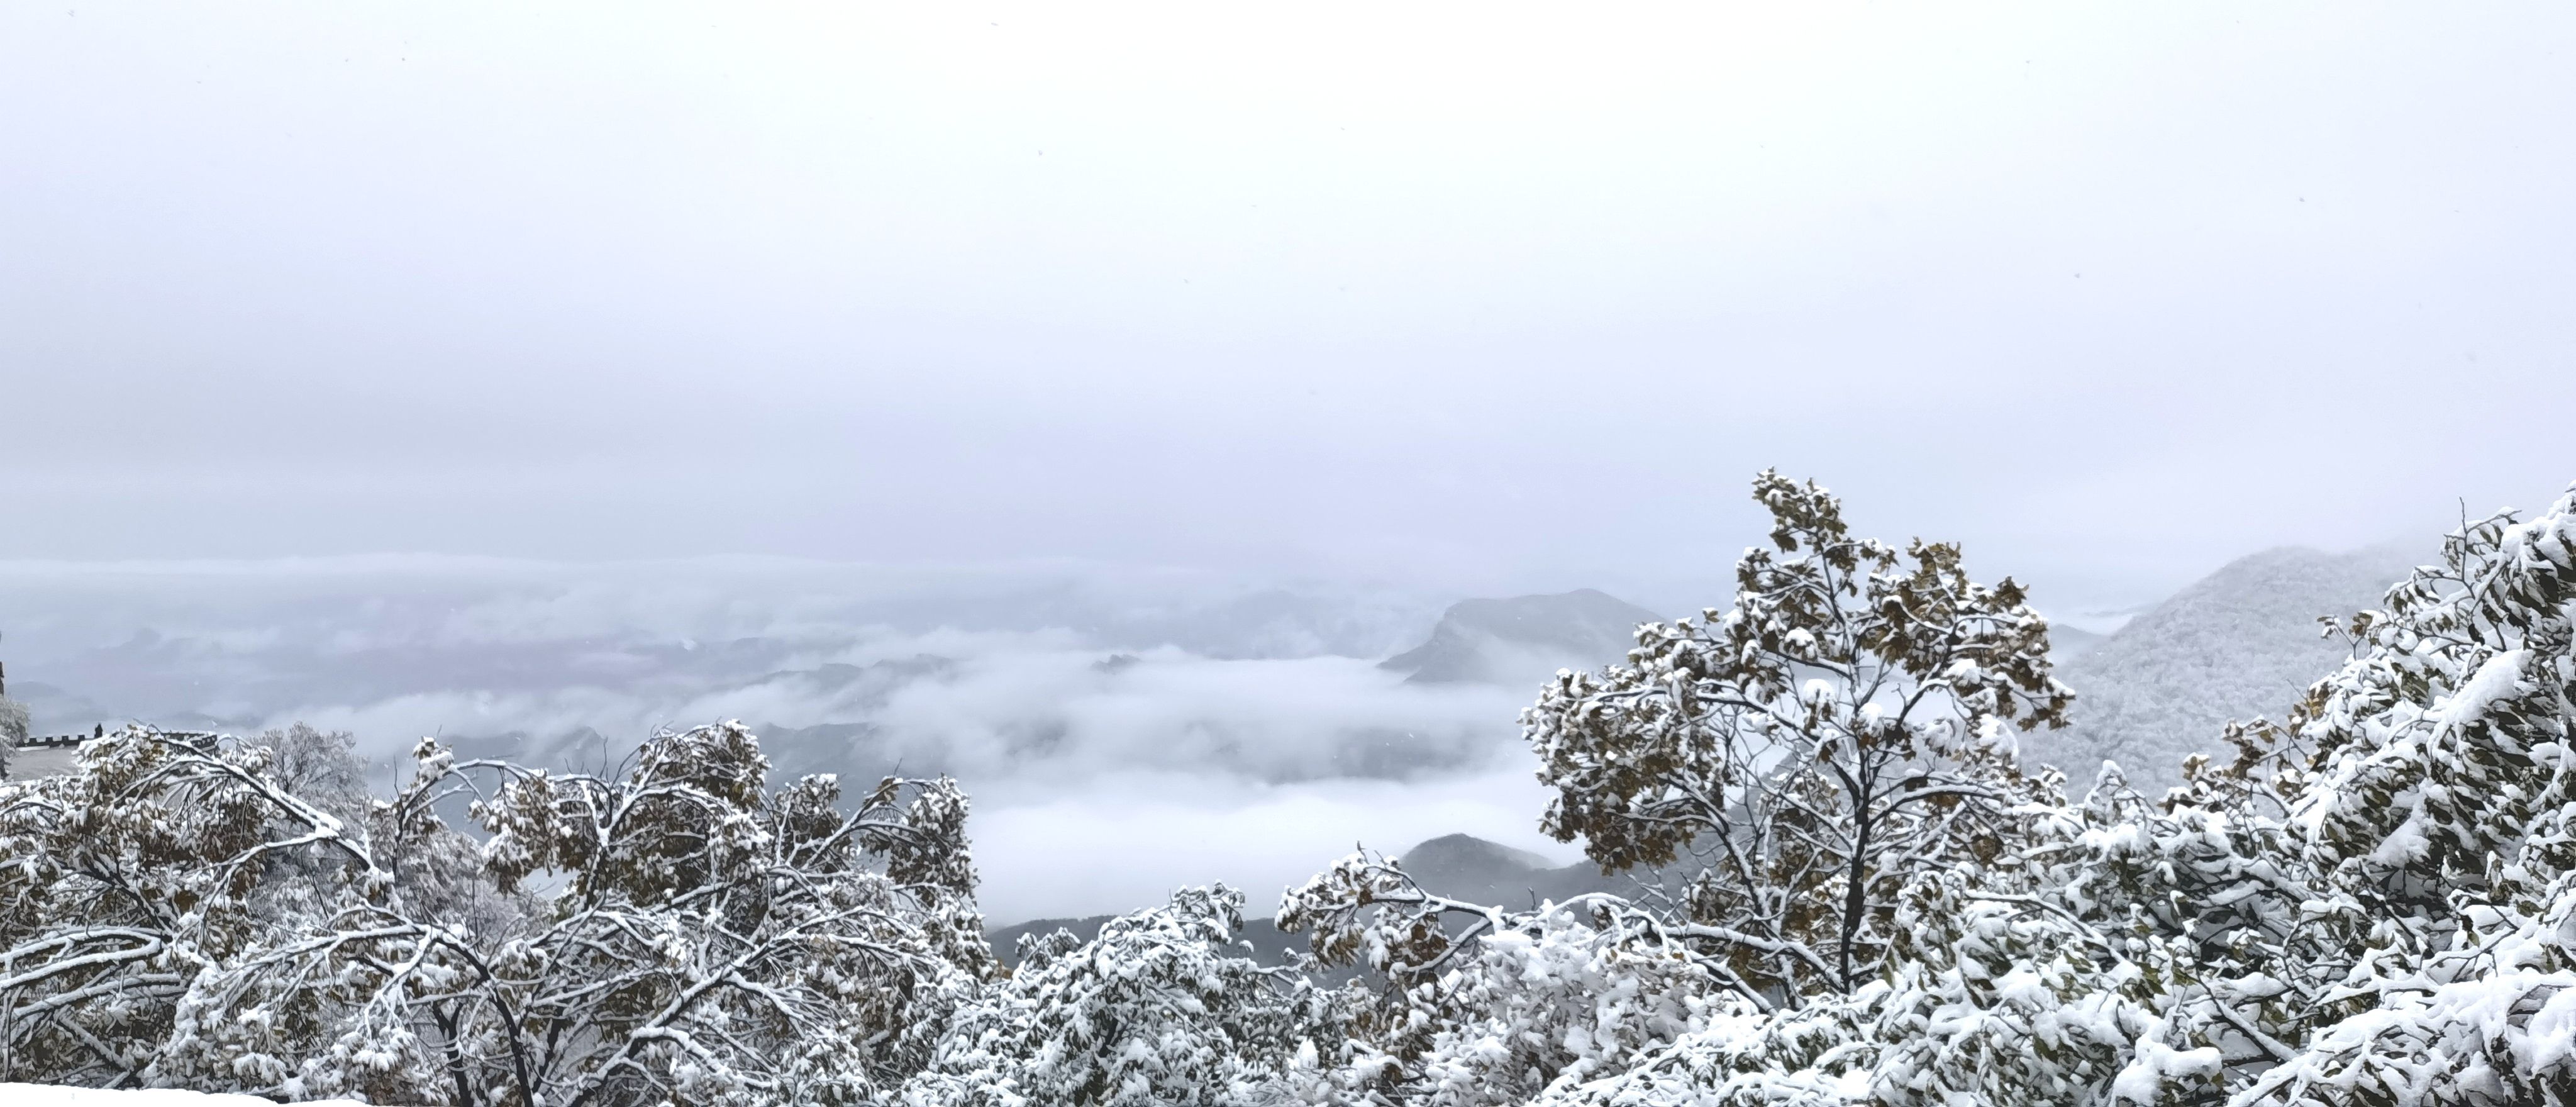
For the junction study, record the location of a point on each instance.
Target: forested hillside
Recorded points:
(1875, 896)
(2240, 643)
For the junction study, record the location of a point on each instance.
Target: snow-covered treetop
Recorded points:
(1852, 715)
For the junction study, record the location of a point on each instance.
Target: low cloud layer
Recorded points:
(1100, 780)
(1121, 844)
(1121, 731)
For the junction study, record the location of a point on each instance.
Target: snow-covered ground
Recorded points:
(47, 1095)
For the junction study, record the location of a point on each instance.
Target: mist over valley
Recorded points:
(1122, 732)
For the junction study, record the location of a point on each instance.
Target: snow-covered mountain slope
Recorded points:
(1462, 866)
(1523, 640)
(2242, 642)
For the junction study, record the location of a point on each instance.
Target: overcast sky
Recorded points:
(1490, 296)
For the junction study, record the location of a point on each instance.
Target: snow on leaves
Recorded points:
(711, 942)
(1845, 723)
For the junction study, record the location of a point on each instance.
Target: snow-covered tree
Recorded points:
(174, 916)
(1483, 1005)
(2438, 814)
(1849, 721)
(712, 942)
(129, 879)
(1997, 988)
(1879, 904)
(14, 722)
(1155, 1010)
(1985, 1000)
(321, 767)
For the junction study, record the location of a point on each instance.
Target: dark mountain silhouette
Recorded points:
(1462, 866)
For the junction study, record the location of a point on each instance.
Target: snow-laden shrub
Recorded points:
(1995, 990)
(1486, 1006)
(1155, 1010)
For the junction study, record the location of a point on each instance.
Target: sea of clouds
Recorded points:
(1122, 731)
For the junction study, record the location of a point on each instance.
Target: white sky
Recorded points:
(1493, 296)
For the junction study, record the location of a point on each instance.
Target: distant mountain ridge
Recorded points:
(1462, 866)
(1522, 640)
